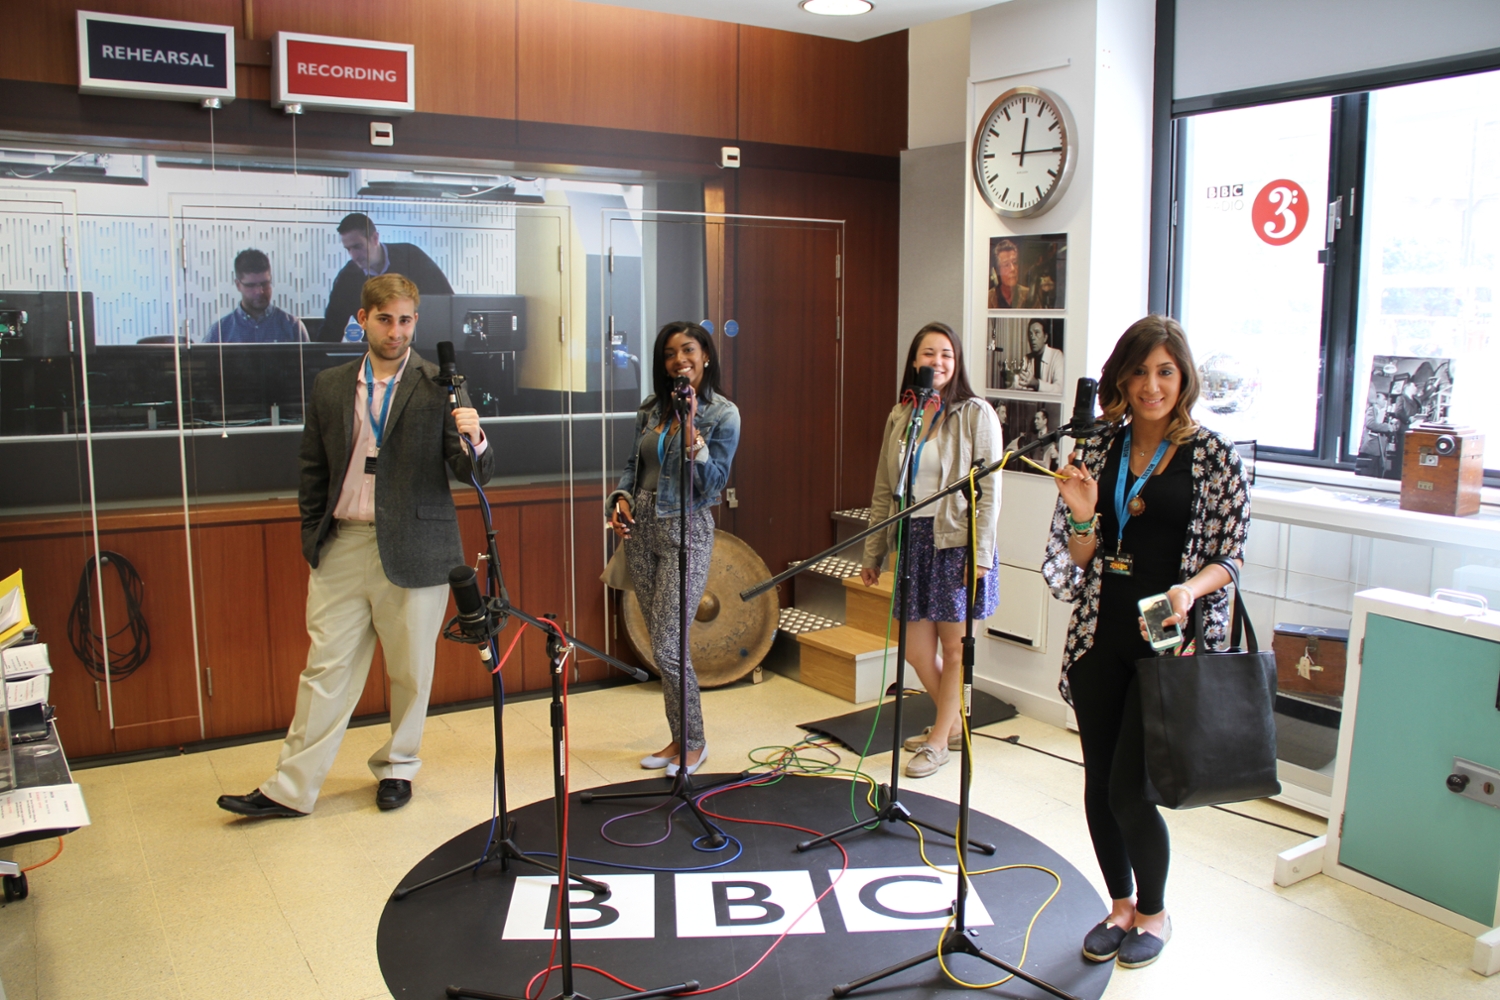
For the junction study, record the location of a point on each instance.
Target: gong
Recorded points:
(729, 637)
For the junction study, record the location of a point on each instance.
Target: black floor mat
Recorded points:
(917, 713)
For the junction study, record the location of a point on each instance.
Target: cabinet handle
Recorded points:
(98, 698)
(210, 672)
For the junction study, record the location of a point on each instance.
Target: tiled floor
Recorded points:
(166, 896)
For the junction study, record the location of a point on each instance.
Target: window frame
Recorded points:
(1336, 431)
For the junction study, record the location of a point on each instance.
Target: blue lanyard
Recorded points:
(661, 444)
(916, 462)
(378, 428)
(1122, 502)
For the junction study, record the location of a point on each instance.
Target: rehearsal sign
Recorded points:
(128, 56)
(342, 74)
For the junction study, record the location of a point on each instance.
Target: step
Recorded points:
(819, 589)
(848, 523)
(868, 608)
(785, 655)
(846, 662)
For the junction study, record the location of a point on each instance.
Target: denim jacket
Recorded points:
(719, 422)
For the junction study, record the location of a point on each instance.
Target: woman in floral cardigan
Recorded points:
(1180, 504)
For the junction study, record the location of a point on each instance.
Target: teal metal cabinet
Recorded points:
(1416, 796)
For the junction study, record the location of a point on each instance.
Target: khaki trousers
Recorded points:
(350, 603)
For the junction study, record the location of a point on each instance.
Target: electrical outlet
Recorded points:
(382, 134)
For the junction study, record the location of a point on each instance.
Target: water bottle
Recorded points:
(353, 332)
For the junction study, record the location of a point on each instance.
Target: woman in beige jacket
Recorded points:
(958, 429)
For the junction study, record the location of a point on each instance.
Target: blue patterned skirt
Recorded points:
(937, 579)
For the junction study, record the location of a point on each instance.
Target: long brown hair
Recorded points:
(956, 389)
(1131, 351)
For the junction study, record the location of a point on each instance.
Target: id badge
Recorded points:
(1119, 563)
(369, 465)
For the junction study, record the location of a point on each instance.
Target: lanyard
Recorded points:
(378, 427)
(661, 443)
(1122, 502)
(916, 462)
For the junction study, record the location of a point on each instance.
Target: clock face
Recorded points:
(1023, 152)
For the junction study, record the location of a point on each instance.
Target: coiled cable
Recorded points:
(88, 645)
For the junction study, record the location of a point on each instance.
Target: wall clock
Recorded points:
(1024, 150)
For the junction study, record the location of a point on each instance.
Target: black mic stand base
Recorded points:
(953, 944)
(663, 991)
(892, 812)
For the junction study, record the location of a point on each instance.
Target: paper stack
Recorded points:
(26, 675)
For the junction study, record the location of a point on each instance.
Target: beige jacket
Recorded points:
(970, 431)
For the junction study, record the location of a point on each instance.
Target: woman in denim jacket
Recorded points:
(645, 508)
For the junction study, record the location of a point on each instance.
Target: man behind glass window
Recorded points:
(370, 257)
(255, 320)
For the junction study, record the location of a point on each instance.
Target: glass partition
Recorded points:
(163, 317)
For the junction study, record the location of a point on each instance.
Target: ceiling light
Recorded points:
(837, 8)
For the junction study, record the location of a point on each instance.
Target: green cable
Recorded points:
(885, 657)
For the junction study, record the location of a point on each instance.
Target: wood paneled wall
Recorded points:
(559, 61)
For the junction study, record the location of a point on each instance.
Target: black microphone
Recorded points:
(682, 392)
(473, 614)
(924, 381)
(1083, 423)
(448, 371)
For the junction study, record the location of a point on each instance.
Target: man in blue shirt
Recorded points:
(255, 320)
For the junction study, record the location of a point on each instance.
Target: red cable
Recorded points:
(564, 888)
(509, 648)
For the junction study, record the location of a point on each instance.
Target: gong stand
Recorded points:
(682, 782)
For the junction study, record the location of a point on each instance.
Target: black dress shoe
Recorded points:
(393, 793)
(256, 806)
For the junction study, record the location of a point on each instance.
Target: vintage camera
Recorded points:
(1442, 469)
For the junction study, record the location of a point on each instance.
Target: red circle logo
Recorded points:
(1280, 212)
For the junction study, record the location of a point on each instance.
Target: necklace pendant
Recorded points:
(1136, 506)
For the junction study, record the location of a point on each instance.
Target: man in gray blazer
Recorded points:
(380, 532)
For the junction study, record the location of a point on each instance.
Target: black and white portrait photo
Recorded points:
(1025, 354)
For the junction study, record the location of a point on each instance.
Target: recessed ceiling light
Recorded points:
(837, 8)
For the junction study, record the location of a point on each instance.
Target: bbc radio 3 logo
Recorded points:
(741, 904)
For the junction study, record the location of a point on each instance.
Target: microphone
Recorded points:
(1083, 423)
(682, 392)
(448, 372)
(473, 621)
(924, 382)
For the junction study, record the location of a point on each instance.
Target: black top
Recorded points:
(1156, 537)
(406, 259)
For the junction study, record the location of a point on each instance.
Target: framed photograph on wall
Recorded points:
(1024, 421)
(1024, 354)
(1404, 392)
(1028, 272)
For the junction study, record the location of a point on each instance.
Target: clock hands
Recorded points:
(1025, 125)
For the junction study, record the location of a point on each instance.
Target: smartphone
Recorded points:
(1155, 610)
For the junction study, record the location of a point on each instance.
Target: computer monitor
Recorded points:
(41, 324)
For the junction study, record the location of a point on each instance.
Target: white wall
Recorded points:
(937, 80)
(1227, 45)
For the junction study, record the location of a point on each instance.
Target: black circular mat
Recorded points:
(492, 931)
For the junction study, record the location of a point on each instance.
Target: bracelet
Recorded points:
(1082, 528)
(1183, 586)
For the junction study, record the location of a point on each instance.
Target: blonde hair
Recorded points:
(385, 288)
(1131, 351)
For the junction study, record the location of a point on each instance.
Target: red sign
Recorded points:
(342, 73)
(1280, 212)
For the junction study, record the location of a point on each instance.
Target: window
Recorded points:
(1329, 247)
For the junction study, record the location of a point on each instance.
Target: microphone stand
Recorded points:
(957, 938)
(682, 782)
(892, 810)
(501, 848)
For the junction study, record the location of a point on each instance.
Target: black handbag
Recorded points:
(1209, 723)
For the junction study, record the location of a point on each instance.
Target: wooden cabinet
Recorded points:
(247, 613)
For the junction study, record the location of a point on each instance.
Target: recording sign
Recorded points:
(342, 74)
(147, 57)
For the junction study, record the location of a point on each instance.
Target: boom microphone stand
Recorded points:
(958, 938)
(893, 810)
(478, 622)
(558, 646)
(682, 782)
